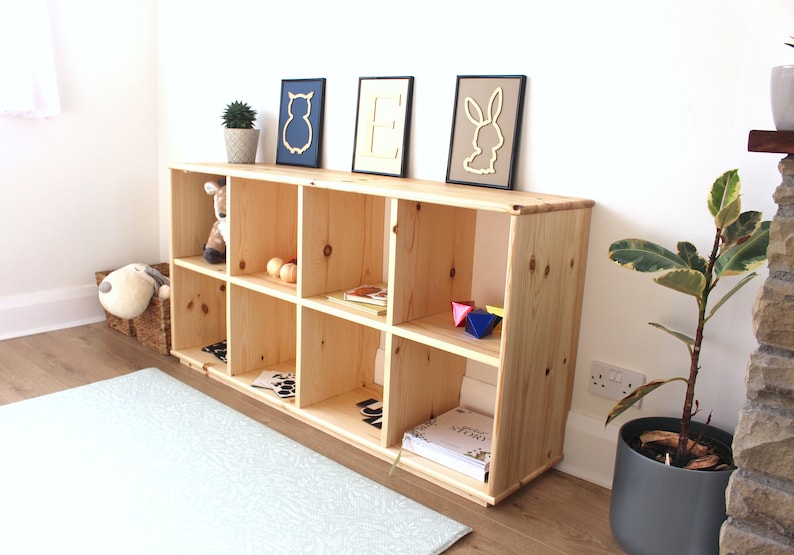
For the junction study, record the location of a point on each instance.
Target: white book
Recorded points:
(459, 439)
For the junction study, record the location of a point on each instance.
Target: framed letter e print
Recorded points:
(485, 130)
(300, 122)
(383, 122)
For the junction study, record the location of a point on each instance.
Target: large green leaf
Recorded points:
(688, 341)
(689, 253)
(644, 256)
(624, 404)
(724, 191)
(745, 256)
(683, 280)
(730, 294)
(744, 226)
(728, 214)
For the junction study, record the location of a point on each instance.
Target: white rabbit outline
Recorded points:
(305, 117)
(479, 122)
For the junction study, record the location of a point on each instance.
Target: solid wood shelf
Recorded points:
(781, 142)
(433, 243)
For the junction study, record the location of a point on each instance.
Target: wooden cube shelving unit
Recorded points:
(433, 243)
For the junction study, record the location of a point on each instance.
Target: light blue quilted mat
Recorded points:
(145, 464)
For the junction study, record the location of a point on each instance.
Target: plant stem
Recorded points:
(694, 366)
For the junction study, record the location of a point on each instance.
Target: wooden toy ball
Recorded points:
(289, 272)
(274, 266)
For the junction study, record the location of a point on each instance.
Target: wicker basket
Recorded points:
(153, 327)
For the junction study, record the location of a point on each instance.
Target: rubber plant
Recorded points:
(739, 246)
(238, 115)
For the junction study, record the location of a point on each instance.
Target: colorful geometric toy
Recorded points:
(459, 311)
(481, 323)
(496, 311)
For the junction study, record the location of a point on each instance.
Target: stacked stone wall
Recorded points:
(760, 496)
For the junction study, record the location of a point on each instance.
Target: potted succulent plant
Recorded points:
(241, 137)
(668, 469)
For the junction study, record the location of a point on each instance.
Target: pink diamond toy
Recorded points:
(459, 311)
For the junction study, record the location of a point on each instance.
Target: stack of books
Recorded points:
(459, 439)
(367, 298)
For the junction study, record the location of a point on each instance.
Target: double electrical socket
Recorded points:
(612, 381)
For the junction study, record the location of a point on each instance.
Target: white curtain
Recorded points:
(28, 85)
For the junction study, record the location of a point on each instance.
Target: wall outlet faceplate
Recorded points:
(612, 381)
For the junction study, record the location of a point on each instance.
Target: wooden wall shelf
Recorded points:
(781, 142)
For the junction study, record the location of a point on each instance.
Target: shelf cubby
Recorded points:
(422, 382)
(261, 332)
(192, 213)
(341, 240)
(432, 249)
(263, 224)
(198, 315)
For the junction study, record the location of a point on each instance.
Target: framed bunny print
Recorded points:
(300, 122)
(486, 126)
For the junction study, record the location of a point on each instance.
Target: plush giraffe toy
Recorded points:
(215, 247)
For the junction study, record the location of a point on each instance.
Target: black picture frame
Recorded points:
(486, 126)
(300, 122)
(383, 125)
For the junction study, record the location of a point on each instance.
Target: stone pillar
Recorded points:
(760, 495)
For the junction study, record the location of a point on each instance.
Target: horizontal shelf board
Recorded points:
(198, 264)
(449, 194)
(438, 331)
(264, 283)
(445, 476)
(779, 142)
(260, 172)
(321, 304)
(198, 359)
(242, 383)
(343, 418)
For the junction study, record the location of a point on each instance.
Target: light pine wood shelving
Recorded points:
(433, 243)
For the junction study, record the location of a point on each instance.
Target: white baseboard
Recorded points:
(589, 449)
(49, 310)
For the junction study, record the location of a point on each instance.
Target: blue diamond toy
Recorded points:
(481, 323)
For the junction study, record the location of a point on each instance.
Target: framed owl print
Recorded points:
(300, 122)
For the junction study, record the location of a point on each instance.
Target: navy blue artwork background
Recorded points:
(297, 132)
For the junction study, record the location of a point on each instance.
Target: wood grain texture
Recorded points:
(534, 249)
(556, 514)
(781, 142)
(415, 190)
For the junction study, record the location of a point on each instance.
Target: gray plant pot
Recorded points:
(241, 145)
(660, 509)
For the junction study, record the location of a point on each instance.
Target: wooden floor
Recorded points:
(554, 514)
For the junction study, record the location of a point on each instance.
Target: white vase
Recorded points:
(782, 93)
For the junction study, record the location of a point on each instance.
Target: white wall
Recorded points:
(81, 188)
(638, 105)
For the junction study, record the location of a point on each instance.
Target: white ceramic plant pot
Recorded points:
(241, 145)
(782, 96)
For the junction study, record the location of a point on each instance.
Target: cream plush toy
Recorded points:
(126, 292)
